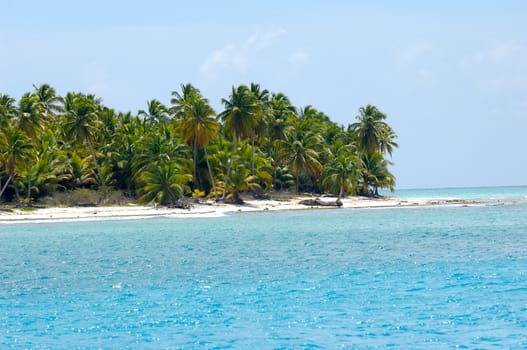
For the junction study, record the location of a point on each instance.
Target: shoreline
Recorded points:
(211, 209)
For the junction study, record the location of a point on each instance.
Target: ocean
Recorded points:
(409, 278)
(483, 193)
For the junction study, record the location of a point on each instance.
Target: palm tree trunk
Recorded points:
(274, 178)
(297, 183)
(5, 185)
(17, 194)
(252, 156)
(342, 190)
(173, 196)
(195, 176)
(97, 167)
(210, 174)
(10, 173)
(229, 166)
(29, 185)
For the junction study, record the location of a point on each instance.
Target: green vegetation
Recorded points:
(28, 209)
(74, 146)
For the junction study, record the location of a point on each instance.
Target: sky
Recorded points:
(450, 75)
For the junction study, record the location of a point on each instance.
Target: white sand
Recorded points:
(207, 209)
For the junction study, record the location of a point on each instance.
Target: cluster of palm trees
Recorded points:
(259, 142)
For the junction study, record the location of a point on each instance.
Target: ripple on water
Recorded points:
(427, 277)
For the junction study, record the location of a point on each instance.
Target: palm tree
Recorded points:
(262, 165)
(81, 125)
(262, 100)
(157, 146)
(312, 120)
(375, 173)
(78, 142)
(124, 147)
(196, 124)
(80, 172)
(8, 110)
(387, 141)
(302, 155)
(283, 178)
(241, 181)
(48, 169)
(180, 100)
(165, 184)
(240, 117)
(341, 172)
(371, 131)
(15, 148)
(282, 116)
(219, 155)
(30, 117)
(51, 102)
(156, 112)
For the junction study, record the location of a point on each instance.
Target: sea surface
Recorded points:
(484, 193)
(408, 278)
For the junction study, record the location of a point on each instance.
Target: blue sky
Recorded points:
(450, 75)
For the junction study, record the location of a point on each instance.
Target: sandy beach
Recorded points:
(205, 209)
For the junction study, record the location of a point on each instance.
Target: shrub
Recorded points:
(87, 197)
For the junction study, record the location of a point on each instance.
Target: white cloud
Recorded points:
(228, 56)
(237, 57)
(260, 41)
(299, 58)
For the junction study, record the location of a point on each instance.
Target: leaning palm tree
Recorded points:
(240, 117)
(81, 125)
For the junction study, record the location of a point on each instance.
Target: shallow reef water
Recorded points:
(434, 277)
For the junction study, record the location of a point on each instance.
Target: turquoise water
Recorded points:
(436, 277)
(509, 192)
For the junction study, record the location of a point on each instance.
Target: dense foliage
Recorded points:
(259, 142)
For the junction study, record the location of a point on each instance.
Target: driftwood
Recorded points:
(317, 202)
(236, 199)
(180, 204)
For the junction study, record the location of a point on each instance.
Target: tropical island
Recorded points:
(72, 150)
